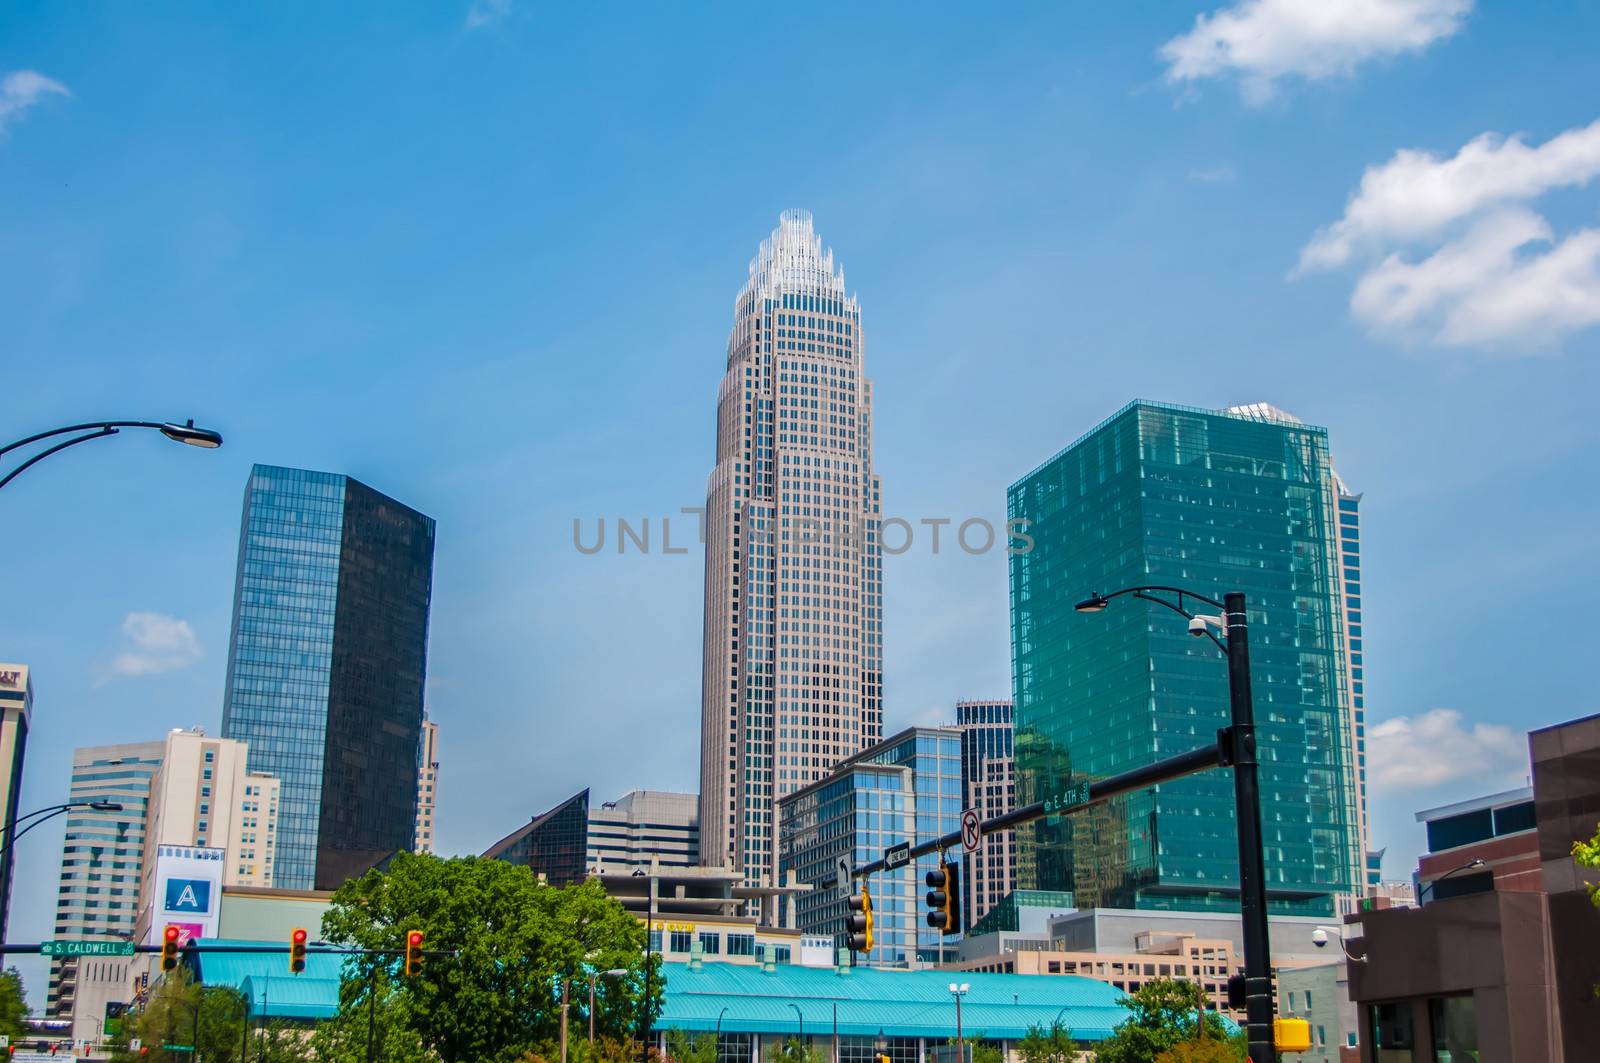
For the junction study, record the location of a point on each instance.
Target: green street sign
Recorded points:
(1062, 800)
(86, 948)
(178, 1048)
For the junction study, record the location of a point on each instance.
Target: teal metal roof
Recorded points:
(313, 994)
(899, 1003)
(869, 1000)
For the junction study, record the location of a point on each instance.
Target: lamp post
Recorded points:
(51, 812)
(1246, 791)
(17, 828)
(801, 1016)
(1431, 883)
(178, 433)
(649, 957)
(959, 991)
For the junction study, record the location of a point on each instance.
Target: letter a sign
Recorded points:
(188, 895)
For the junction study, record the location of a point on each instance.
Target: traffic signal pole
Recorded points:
(1252, 862)
(1234, 748)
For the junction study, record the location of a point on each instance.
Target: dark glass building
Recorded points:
(326, 663)
(1210, 502)
(554, 844)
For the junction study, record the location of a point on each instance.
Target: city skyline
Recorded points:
(1045, 220)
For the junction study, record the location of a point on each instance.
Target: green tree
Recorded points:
(790, 1050)
(1587, 854)
(13, 1003)
(1052, 1044)
(684, 1047)
(979, 1050)
(1207, 1050)
(170, 1015)
(517, 943)
(1163, 1016)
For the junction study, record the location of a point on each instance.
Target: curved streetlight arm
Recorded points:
(1475, 862)
(43, 454)
(44, 814)
(180, 433)
(1096, 602)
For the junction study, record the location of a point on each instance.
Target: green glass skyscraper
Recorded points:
(1210, 502)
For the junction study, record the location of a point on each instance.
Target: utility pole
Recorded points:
(566, 993)
(372, 1010)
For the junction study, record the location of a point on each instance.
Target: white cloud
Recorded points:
(1491, 273)
(1221, 174)
(160, 643)
(483, 12)
(1262, 41)
(1421, 752)
(20, 90)
(1416, 194)
(1480, 291)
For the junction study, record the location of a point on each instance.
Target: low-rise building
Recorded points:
(906, 788)
(1320, 994)
(1503, 967)
(1127, 948)
(711, 913)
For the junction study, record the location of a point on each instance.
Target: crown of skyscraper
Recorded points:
(793, 259)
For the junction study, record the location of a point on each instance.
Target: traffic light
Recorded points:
(858, 924)
(944, 898)
(413, 953)
(297, 950)
(169, 948)
(1237, 997)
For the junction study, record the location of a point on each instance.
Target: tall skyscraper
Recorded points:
(1208, 501)
(1369, 872)
(326, 664)
(16, 708)
(792, 682)
(427, 782)
(102, 857)
(988, 784)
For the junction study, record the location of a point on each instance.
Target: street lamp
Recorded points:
(1246, 789)
(1431, 883)
(801, 1016)
(187, 433)
(51, 812)
(959, 991)
(595, 976)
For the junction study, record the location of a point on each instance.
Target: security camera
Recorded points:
(1319, 937)
(1197, 626)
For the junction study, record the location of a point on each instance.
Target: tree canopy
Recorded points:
(1048, 1044)
(13, 1003)
(1163, 1016)
(517, 942)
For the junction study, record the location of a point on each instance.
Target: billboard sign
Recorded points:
(188, 891)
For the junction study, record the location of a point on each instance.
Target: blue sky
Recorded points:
(484, 258)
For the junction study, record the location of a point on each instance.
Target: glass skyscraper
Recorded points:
(908, 788)
(326, 663)
(1208, 501)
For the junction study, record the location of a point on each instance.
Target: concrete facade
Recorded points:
(1321, 995)
(16, 708)
(203, 795)
(109, 846)
(427, 785)
(645, 828)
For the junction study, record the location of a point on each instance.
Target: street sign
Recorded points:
(133, 1044)
(844, 875)
(1068, 798)
(897, 856)
(86, 948)
(971, 831)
